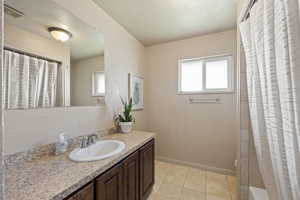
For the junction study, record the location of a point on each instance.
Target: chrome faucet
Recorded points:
(89, 140)
(92, 139)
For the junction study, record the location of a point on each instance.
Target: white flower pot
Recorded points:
(126, 127)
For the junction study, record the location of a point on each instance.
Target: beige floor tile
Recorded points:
(179, 169)
(196, 172)
(231, 183)
(161, 170)
(216, 184)
(195, 180)
(215, 197)
(155, 187)
(234, 196)
(151, 196)
(176, 174)
(215, 176)
(172, 177)
(159, 177)
(162, 165)
(169, 191)
(232, 186)
(217, 188)
(157, 197)
(177, 182)
(188, 194)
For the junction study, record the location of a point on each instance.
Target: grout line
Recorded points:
(168, 168)
(228, 187)
(205, 185)
(185, 177)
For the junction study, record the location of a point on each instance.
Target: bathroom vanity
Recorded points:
(128, 175)
(132, 178)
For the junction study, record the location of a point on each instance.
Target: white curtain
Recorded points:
(29, 82)
(271, 39)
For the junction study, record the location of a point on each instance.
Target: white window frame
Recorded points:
(204, 60)
(94, 93)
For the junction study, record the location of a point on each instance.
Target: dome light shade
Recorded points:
(59, 34)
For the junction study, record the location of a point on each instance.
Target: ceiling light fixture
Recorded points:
(60, 34)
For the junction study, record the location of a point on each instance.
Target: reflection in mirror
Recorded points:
(51, 58)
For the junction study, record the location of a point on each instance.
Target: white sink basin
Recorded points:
(98, 151)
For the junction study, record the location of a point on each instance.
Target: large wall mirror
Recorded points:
(51, 58)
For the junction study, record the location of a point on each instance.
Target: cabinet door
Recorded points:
(146, 169)
(86, 193)
(131, 177)
(109, 186)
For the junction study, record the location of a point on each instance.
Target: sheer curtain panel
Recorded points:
(271, 38)
(29, 82)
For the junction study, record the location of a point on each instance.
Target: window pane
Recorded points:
(191, 76)
(217, 74)
(99, 84)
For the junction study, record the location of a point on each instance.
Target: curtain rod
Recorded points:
(248, 10)
(31, 54)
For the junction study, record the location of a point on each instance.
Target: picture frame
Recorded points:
(136, 91)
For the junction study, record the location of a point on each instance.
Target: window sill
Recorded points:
(206, 92)
(98, 95)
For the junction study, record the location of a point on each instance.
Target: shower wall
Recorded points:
(1, 108)
(244, 137)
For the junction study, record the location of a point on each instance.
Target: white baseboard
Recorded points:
(197, 165)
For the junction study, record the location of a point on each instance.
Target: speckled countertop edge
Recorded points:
(37, 179)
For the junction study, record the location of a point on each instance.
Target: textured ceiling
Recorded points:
(158, 21)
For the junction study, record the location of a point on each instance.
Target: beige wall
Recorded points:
(123, 54)
(81, 80)
(25, 129)
(198, 134)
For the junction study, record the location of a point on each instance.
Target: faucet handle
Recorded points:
(84, 142)
(92, 138)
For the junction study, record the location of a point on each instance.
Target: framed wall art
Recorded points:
(136, 91)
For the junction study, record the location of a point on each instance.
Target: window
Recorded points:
(205, 75)
(98, 84)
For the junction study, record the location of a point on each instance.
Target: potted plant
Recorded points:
(126, 119)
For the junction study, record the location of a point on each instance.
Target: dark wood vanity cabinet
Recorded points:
(85, 193)
(109, 186)
(131, 179)
(146, 169)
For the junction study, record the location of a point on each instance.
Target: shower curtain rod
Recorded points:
(248, 10)
(31, 54)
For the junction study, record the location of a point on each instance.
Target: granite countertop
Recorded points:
(55, 177)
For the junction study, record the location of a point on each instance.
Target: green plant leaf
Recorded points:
(127, 113)
(121, 118)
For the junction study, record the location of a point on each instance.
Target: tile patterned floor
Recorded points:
(177, 182)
